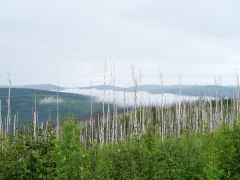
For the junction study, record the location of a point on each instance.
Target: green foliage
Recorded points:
(68, 152)
(191, 156)
(24, 158)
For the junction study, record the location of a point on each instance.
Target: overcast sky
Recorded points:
(41, 41)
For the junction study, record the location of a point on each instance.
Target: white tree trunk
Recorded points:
(9, 105)
(58, 123)
(1, 123)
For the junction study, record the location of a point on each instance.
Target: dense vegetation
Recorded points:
(22, 102)
(185, 140)
(205, 155)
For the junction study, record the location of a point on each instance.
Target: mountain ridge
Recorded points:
(187, 90)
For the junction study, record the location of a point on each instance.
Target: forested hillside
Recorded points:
(23, 103)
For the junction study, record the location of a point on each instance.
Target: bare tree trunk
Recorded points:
(121, 130)
(104, 91)
(216, 107)
(42, 125)
(115, 106)
(221, 101)
(91, 116)
(238, 96)
(179, 108)
(99, 130)
(184, 118)
(14, 125)
(1, 127)
(116, 122)
(17, 123)
(1, 123)
(197, 116)
(211, 117)
(108, 124)
(58, 123)
(9, 104)
(46, 131)
(35, 120)
(162, 115)
(5, 132)
(135, 83)
(227, 112)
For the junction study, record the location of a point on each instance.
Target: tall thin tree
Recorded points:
(58, 123)
(9, 104)
(35, 119)
(1, 123)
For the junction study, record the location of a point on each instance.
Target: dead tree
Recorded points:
(14, 125)
(135, 85)
(238, 96)
(162, 107)
(9, 105)
(35, 119)
(179, 109)
(104, 91)
(91, 115)
(58, 123)
(1, 123)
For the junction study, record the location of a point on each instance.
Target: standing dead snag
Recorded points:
(162, 106)
(108, 133)
(58, 124)
(222, 107)
(135, 84)
(14, 125)
(115, 119)
(35, 119)
(238, 96)
(140, 119)
(17, 124)
(9, 105)
(1, 126)
(1, 123)
(46, 130)
(179, 109)
(104, 91)
(91, 114)
(124, 111)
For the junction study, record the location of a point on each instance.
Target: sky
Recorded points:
(43, 41)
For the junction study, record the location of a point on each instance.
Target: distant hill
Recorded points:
(48, 87)
(102, 87)
(186, 90)
(208, 90)
(22, 101)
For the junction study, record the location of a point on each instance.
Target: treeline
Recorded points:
(192, 155)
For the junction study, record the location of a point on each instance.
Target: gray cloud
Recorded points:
(41, 41)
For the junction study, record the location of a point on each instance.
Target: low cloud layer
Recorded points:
(127, 99)
(51, 100)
